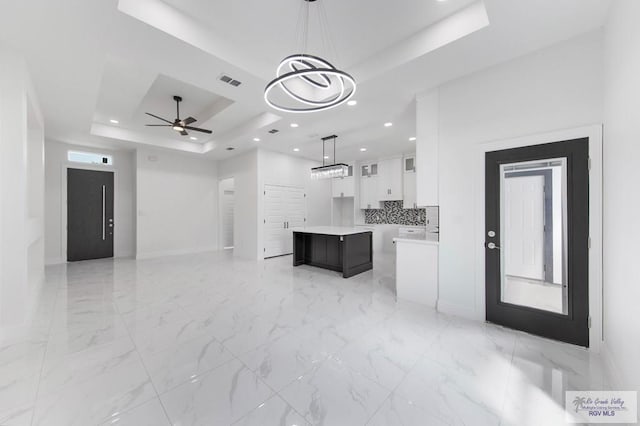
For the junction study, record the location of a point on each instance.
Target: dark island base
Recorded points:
(349, 254)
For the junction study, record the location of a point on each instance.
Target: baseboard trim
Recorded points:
(457, 310)
(179, 252)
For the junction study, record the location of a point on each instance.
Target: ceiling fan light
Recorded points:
(178, 128)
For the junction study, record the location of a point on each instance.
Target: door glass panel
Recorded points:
(533, 234)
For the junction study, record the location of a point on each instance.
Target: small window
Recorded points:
(90, 158)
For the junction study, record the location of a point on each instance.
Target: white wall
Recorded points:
(177, 199)
(555, 88)
(21, 193)
(281, 169)
(621, 197)
(243, 169)
(124, 199)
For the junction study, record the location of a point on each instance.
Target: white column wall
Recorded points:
(21, 192)
(621, 196)
(243, 169)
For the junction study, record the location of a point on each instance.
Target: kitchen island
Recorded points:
(341, 249)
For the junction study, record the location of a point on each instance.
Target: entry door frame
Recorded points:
(594, 134)
(63, 202)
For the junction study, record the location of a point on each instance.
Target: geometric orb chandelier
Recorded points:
(305, 82)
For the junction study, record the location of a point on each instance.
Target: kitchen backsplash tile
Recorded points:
(393, 213)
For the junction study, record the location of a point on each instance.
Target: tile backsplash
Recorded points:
(393, 213)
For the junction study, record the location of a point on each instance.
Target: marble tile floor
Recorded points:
(211, 340)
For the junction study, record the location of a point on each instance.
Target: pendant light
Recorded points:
(334, 170)
(306, 82)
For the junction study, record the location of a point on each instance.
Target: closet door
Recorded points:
(296, 213)
(275, 219)
(284, 209)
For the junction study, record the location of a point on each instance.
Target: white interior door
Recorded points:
(275, 208)
(524, 226)
(296, 213)
(227, 218)
(284, 209)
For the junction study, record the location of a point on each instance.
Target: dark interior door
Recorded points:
(89, 214)
(537, 239)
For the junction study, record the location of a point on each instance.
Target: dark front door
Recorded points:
(537, 239)
(89, 214)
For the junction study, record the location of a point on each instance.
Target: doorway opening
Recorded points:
(226, 191)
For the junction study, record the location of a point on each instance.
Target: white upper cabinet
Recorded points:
(369, 186)
(344, 186)
(409, 200)
(390, 179)
(369, 192)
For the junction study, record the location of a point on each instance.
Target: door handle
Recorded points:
(103, 213)
(492, 246)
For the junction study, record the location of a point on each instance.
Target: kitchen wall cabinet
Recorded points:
(344, 186)
(390, 179)
(369, 192)
(409, 200)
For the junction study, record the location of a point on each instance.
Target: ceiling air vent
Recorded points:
(229, 80)
(274, 131)
(230, 148)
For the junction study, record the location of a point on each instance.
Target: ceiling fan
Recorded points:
(179, 125)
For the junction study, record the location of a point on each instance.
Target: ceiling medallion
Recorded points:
(308, 83)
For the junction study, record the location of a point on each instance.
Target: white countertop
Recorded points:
(431, 239)
(331, 230)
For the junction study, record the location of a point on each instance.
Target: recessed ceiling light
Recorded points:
(363, 149)
(388, 124)
(193, 138)
(294, 125)
(352, 103)
(114, 121)
(412, 138)
(256, 139)
(296, 149)
(326, 157)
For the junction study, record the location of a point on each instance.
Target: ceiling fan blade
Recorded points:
(158, 125)
(196, 129)
(159, 118)
(184, 133)
(189, 120)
